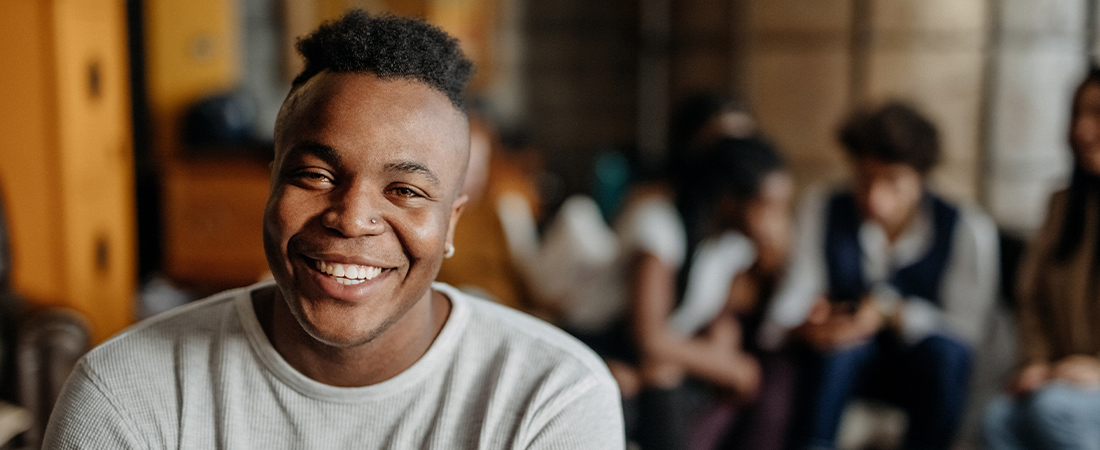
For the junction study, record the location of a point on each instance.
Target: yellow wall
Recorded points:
(192, 51)
(66, 157)
(27, 168)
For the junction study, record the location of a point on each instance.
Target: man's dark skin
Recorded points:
(367, 172)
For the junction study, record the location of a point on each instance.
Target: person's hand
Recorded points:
(659, 373)
(745, 377)
(1082, 370)
(1028, 379)
(821, 310)
(741, 371)
(817, 330)
(743, 294)
(868, 319)
(724, 335)
(839, 328)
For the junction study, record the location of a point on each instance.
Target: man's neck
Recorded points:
(387, 355)
(894, 232)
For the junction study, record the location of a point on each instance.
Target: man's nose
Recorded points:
(354, 212)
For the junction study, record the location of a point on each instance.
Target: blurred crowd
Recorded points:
(733, 319)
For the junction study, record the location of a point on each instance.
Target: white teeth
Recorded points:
(348, 273)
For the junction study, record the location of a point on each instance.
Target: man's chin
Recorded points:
(340, 337)
(338, 329)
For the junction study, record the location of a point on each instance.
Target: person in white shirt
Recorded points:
(352, 345)
(889, 284)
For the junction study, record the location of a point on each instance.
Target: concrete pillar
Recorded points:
(1039, 59)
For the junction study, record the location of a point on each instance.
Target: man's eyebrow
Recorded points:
(327, 154)
(413, 167)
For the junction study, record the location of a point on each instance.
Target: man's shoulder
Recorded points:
(497, 331)
(153, 342)
(971, 218)
(520, 363)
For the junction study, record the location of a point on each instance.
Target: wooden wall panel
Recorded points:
(799, 80)
(27, 166)
(66, 158)
(96, 160)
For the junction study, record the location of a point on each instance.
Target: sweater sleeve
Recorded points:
(86, 417)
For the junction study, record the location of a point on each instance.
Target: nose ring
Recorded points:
(373, 221)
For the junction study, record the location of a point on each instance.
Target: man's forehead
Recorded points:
(354, 90)
(369, 101)
(353, 112)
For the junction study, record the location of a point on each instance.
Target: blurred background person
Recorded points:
(690, 301)
(1053, 399)
(889, 285)
(663, 303)
(698, 121)
(752, 193)
(482, 261)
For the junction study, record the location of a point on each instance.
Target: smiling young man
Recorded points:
(352, 346)
(890, 286)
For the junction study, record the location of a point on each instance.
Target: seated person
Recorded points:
(686, 302)
(1054, 398)
(889, 284)
(483, 259)
(351, 345)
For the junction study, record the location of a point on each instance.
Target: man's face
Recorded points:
(363, 201)
(888, 193)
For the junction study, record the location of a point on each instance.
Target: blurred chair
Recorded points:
(51, 341)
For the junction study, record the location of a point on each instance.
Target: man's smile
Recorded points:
(349, 274)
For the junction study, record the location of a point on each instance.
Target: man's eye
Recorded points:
(405, 192)
(311, 177)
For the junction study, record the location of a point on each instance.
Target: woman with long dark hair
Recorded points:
(1053, 399)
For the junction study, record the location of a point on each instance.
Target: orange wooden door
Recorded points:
(69, 177)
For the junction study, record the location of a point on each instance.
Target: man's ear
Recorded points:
(456, 211)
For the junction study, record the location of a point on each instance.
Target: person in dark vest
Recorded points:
(889, 286)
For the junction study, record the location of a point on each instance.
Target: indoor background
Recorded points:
(121, 197)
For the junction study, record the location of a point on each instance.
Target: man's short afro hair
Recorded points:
(389, 47)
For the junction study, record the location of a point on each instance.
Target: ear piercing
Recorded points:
(450, 251)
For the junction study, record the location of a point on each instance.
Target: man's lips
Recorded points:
(348, 274)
